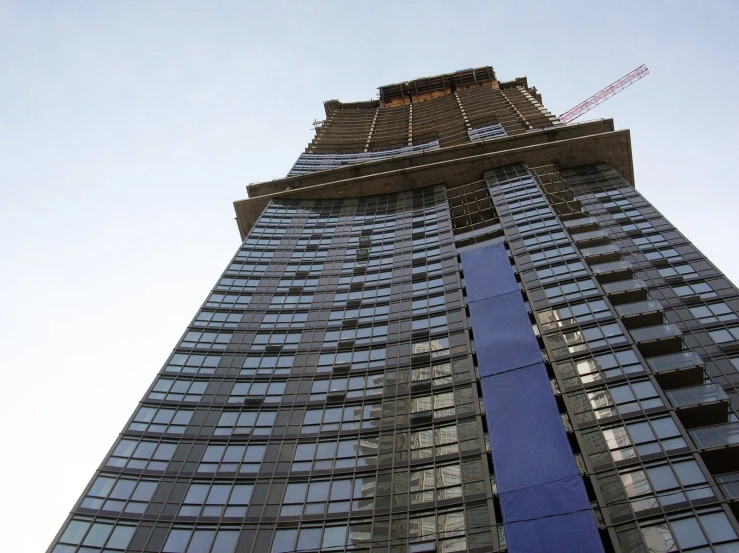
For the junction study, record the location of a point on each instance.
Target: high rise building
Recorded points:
(454, 326)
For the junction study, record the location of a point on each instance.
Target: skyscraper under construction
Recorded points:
(454, 326)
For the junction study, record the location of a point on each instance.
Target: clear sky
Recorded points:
(127, 129)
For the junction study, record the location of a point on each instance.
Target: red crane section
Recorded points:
(600, 97)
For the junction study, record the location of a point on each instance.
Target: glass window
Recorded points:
(538, 226)
(568, 343)
(188, 540)
(285, 340)
(215, 500)
(535, 200)
(358, 359)
(228, 301)
(660, 485)
(647, 240)
(604, 366)
(122, 494)
(206, 339)
(439, 374)
(278, 365)
(355, 336)
(435, 484)
(284, 320)
(570, 291)
(426, 286)
(561, 272)
(163, 419)
(579, 313)
(623, 399)
(196, 363)
(712, 313)
(553, 255)
(245, 422)
(144, 454)
(532, 213)
(667, 254)
(549, 238)
(170, 389)
(725, 335)
(682, 270)
(305, 283)
(644, 437)
(82, 531)
(614, 400)
(233, 458)
(320, 496)
(342, 418)
(687, 531)
(291, 300)
(354, 386)
(217, 319)
(700, 289)
(270, 392)
(441, 404)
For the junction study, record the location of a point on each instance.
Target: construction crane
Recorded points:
(600, 97)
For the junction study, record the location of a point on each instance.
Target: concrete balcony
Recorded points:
(700, 405)
(718, 446)
(677, 370)
(601, 254)
(626, 291)
(591, 238)
(729, 484)
(612, 271)
(582, 224)
(658, 340)
(641, 314)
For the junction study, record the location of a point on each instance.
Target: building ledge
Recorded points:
(563, 146)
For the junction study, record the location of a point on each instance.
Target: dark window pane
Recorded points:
(284, 541)
(201, 541)
(75, 532)
(717, 527)
(121, 536)
(688, 533)
(177, 541)
(310, 538)
(226, 541)
(689, 473)
(98, 534)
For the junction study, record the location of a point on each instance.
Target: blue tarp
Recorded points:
(571, 533)
(542, 497)
(506, 340)
(487, 272)
(529, 443)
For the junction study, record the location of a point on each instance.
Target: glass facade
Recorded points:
(338, 410)
(330, 394)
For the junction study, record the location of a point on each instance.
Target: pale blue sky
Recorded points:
(127, 129)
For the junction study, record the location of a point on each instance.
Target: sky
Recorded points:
(127, 130)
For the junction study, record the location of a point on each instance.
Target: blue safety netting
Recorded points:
(542, 497)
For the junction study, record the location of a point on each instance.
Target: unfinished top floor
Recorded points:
(425, 113)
